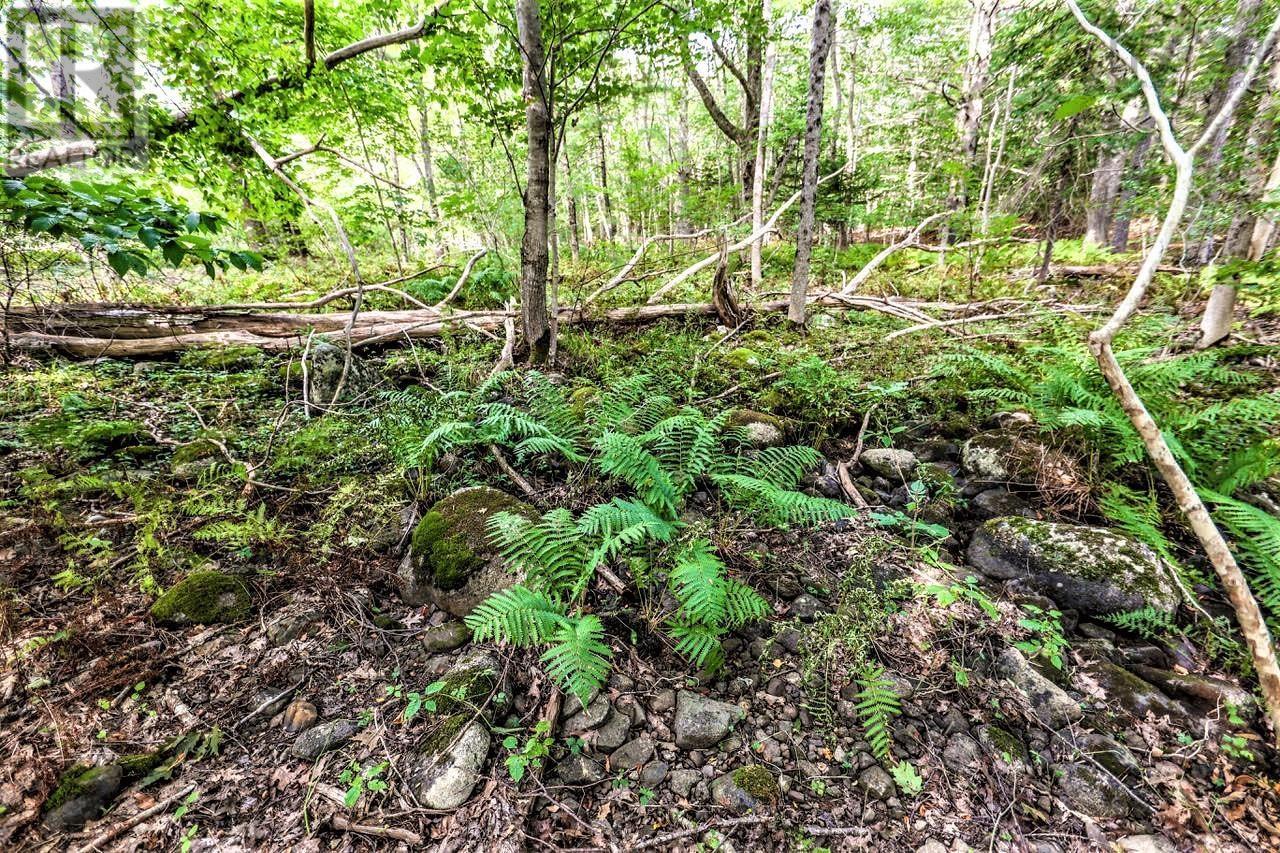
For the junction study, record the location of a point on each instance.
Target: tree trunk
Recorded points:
(757, 172)
(571, 198)
(428, 170)
(1257, 174)
(851, 110)
(533, 248)
(1105, 187)
(969, 115)
(684, 171)
(822, 22)
(608, 228)
(1124, 216)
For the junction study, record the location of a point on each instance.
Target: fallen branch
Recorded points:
(121, 828)
(1248, 614)
(462, 279)
(883, 255)
(407, 836)
(667, 838)
(768, 227)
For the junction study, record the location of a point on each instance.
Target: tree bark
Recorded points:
(608, 227)
(977, 67)
(1249, 616)
(533, 247)
(821, 46)
(1105, 186)
(757, 172)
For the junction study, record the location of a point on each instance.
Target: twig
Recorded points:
(726, 823)
(284, 694)
(121, 828)
(407, 836)
(512, 472)
(462, 279)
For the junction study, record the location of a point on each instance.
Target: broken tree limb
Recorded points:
(93, 331)
(630, 265)
(462, 279)
(758, 234)
(1218, 314)
(883, 255)
(1248, 614)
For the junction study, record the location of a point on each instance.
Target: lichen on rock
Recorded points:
(759, 429)
(204, 597)
(452, 561)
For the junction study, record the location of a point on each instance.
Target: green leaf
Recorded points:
(1074, 105)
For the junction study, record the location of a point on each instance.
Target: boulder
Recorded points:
(1049, 702)
(82, 794)
(993, 503)
(324, 372)
(1210, 692)
(746, 789)
(452, 759)
(451, 561)
(1133, 694)
(895, 465)
(961, 754)
(702, 722)
(1093, 792)
(759, 430)
(203, 597)
(447, 637)
(1089, 569)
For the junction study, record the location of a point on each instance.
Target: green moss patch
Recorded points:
(82, 780)
(452, 541)
(757, 781)
(203, 597)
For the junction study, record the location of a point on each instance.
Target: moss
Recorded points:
(203, 597)
(760, 338)
(222, 358)
(452, 540)
(140, 763)
(442, 735)
(757, 781)
(465, 689)
(1004, 742)
(743, 358)
(1110, 556)
(582, 398)
(77, 781)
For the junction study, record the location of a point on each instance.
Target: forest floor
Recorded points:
(117, 478)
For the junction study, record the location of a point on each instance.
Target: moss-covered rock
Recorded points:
(1089, 569)
(236, 357)
(81, 795)
(1009, 456)
(746, 789)
(466, 687)
(759, 429)
(203, 597)
(451, 760)
(743, 358)
(326, 384)
(451, 560)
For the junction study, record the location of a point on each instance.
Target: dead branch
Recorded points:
(462, 279)
(407, 836)
(883, 255)
(99, 841)
(1248, 614)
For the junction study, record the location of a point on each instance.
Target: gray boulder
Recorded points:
(745, 789)
(1089, 569)
(1133, 694)
(452, 762)
(1093, 792)
(1048, 701)
(324, 375)
(702, 722)
(314, 742)
(891, 463)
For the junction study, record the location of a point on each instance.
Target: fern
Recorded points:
(779, 507)
(625, 457)
(710, 603)
(578, 659)
(1148, 623)
(1256, 536)
(877, 705)
(519, 616)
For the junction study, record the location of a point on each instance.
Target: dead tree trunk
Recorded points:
(821, 46)
(533, 248)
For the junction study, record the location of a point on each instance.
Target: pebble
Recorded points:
(312, 743)
(876, 783)
(681, 782)
(653, 774)
(447, 637)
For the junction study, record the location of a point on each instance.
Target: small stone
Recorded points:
(1048, 701)
(662, 701)
(702, 722)
(745, 789)
(631, 754)
(876, 783)
(299, 716)
(961, 754)
(447, 637)
(932, 846)
(290, 626)
(653, 774)
(612, 734)
(588, 718)
(891, 463)
(994, 503)
(314, 742)
(579, 770)
(681, 782)
(1145, 844)
(805, 607)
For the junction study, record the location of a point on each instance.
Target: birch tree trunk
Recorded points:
(822, 23)
(758, 173)
(1248, 614)
(977, 67)
(533, 248)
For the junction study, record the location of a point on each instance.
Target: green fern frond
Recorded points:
(698, 642)
(1148, 623)
(780, 507)
(626, 458)
(578, 659)
(877, 704)
(782, 467)
(519, 616)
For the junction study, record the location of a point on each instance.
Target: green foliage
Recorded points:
(359, 779)
(710, 603)
(134, 232)
(530, 754)
(907, 778)
(1046, 639)
(1148, 622)
(877, 704)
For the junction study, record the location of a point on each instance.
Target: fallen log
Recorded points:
(95, 331)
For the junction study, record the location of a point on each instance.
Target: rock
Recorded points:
(204, 597)
(1132, 693)
(745, 789)
(758, 429)
(467, 684)
(702, 722)
(1004, 747)
(1048, 701)
(1146, 844)
(663, 700)
(447, 637)
(452, 760)
(289, 627)
(653, 774)
(805, 607)
(324, 372)
(994, 503)
(451, 561)
(612, 734)
(1004, 456)
(1089, 569)
(631, 754)
(1211, 692)
(937, 449)
(82, 794)
(588, 718)
(1089, 790)
(961, 754)
(314, 742)
(1114, 757)
(682, 781)
(898, 466)
(876, 783)
(579, 770)
(932, 846)
(299, 716)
